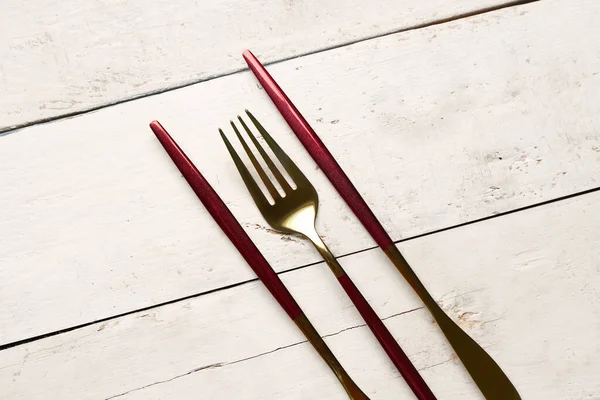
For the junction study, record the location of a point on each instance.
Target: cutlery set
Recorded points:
(292, 209)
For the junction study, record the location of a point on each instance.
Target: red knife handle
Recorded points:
(316, 148)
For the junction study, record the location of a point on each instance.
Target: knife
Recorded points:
(486, 374)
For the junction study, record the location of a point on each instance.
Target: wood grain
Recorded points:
(526, 286)
(61, 57)
(489, 114)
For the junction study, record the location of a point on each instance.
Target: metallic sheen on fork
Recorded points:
(296, 212)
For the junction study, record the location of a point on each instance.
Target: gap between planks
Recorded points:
(16, 128)
(219, 365)
(196, 295)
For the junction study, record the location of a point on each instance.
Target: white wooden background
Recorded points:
(472, 128)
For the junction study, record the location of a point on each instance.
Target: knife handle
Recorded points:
(316, 148)
(488, 376)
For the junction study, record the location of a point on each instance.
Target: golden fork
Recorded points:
(295, 212)
(292, 215)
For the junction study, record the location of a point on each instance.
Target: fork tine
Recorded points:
(292, 169)
(255, 192)
(261, 172)
(284, 184)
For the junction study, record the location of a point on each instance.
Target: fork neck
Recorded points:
(322, 248)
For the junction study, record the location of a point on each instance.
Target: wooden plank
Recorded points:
(60, 57)
(479, 122)
(526, 286)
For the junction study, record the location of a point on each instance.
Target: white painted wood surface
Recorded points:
(479, 122)
(525, 285)
(437, 126)
(60, 57)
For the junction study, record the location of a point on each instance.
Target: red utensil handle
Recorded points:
(225, 219)
(316, 148)
(387, 341)
(324, 159)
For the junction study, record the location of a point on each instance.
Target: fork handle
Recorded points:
(488, 376)
(383, 335)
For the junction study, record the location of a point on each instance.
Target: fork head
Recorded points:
(295, 210)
